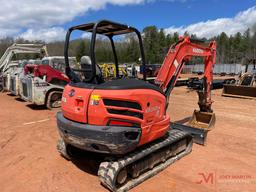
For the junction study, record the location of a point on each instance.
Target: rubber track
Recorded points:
(109, 170)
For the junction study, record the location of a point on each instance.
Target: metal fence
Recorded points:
(218, 68)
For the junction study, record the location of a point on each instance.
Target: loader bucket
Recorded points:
(198, 126)
(240, 91)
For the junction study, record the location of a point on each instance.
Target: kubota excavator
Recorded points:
(126, 119)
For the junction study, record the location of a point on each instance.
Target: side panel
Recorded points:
(39, 90)
(75, 102)
(13, 84)
(150, 117)
(26, 86)
(6, 80)
(17, 83)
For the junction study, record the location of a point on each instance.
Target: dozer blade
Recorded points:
(240, 91)
(124, 173)
(198, 126)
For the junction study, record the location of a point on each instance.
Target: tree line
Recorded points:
(237, 48)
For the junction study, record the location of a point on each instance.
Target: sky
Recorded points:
(48, 20)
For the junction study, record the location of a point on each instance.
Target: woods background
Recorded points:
(237, 48)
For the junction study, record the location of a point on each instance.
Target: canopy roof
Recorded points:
(105, 27)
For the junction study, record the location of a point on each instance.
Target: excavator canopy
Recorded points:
(108, 29)
(105, 27)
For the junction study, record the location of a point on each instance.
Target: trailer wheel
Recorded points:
(54, 99)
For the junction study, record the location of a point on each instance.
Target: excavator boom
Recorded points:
(204, 119)
(174, 61)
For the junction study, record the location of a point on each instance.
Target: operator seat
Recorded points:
(86, 64)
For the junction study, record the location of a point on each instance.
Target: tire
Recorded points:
(64, 149)
(54, 99)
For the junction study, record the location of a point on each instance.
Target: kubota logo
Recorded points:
(71, 93)
(196, 50)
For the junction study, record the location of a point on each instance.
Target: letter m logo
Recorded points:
(206, 178)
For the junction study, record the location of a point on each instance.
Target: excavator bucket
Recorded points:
(240, 91)
(203, 120)
(198, 126)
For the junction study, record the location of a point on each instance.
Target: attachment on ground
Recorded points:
(240, 91)
(198, 126)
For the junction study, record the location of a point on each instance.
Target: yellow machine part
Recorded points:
(109, 70)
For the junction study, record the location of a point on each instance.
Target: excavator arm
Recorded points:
(177, 56)
(180, 53)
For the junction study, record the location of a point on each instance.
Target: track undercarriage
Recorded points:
(124, 173)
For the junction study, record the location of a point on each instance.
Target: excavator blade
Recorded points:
(240, 91)
(198, 126)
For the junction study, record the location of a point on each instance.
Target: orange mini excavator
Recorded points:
(126, 119)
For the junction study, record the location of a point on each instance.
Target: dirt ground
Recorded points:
(29, 160)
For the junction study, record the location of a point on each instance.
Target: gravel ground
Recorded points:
(30, 162)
